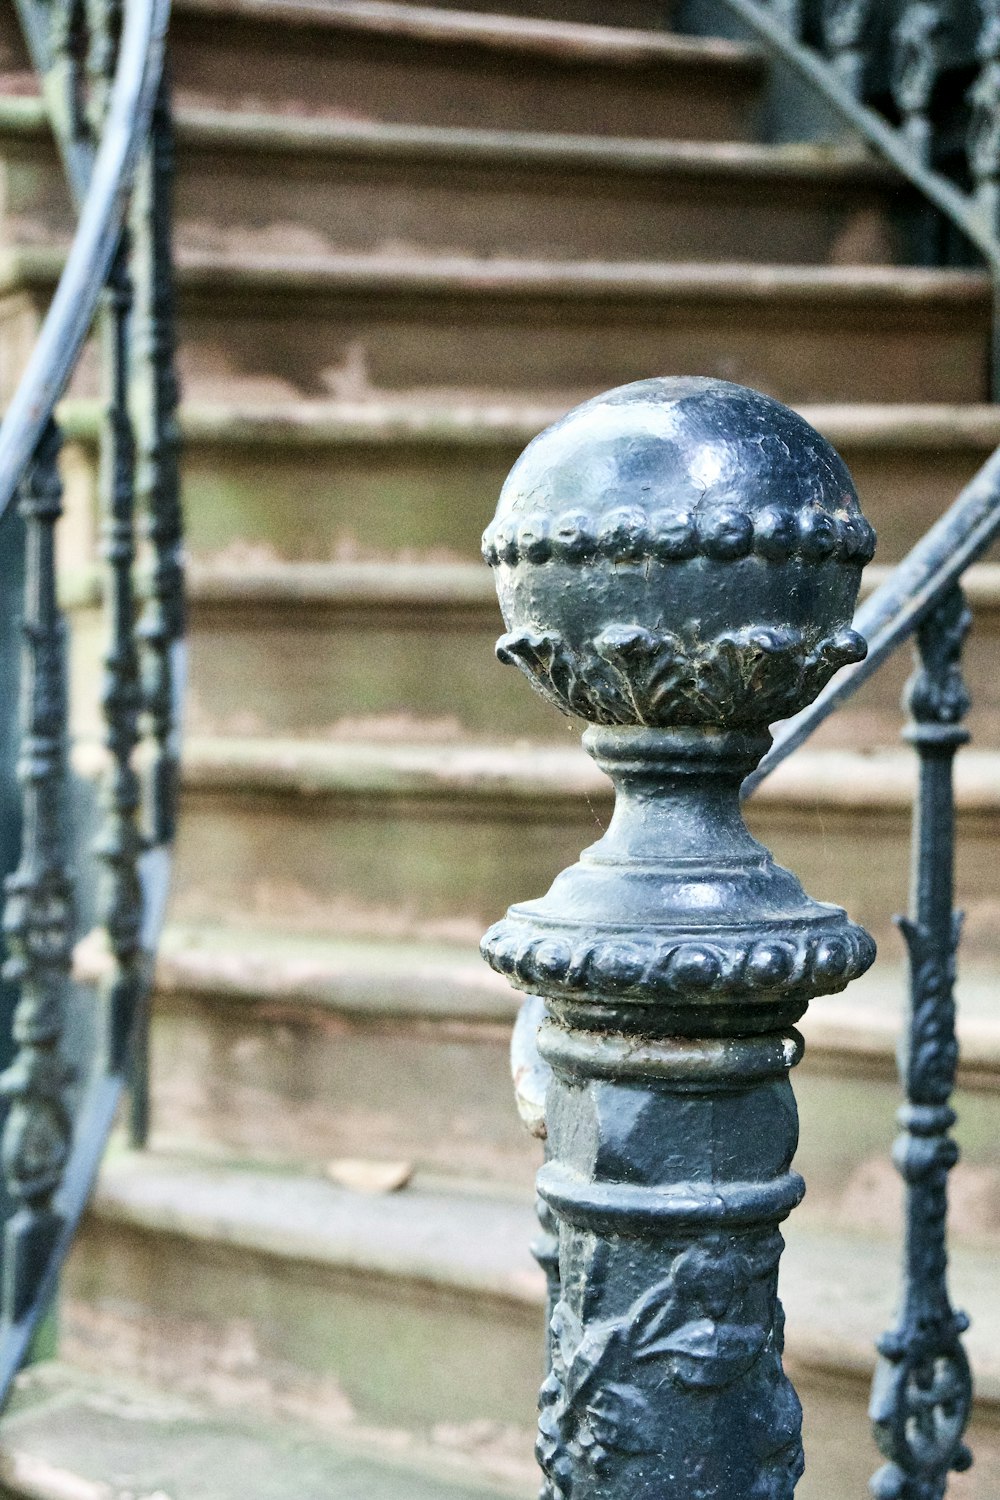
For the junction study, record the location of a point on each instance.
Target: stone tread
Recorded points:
(569, 43)
(366, 980)
(261, 133)
(420, 983)
(523, 775)
(838, 1289)
(891, 289)
(73, 1437)
(932, 429)
(430, 589)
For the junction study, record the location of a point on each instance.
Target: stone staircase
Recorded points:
(408, 238)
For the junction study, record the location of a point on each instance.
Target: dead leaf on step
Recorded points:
(369, 1176)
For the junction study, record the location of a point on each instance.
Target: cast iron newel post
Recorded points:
(677, 562)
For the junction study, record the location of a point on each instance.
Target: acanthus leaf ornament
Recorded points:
(630, 675)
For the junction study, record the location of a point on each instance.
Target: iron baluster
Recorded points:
(922, 1393)
(675, 959)
(845, 33)
(121, 842)
(162, 626)
(984, 122)
(916, 66)
(158, 484)
(38, 918)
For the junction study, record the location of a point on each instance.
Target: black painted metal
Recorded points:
(923, 1390)
(675, 959)
(100, 65)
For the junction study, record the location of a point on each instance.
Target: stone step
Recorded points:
(395, 649)
(360, 327)
(329, 186)
(648, 14)
(421, 65)
(293, 1052)
(433, 840)
(73, 1435)
(286, 1293)
(318, 481)
(401, 648)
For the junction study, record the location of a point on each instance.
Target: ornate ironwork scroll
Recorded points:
(984, 123)
(38, 917)
(673, 560)
(922, 1393)
(845, 27)
(916, 65)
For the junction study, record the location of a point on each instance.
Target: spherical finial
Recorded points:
(679, 552)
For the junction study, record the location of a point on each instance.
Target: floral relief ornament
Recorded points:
(706, 1326)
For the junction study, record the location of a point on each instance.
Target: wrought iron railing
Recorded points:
(664, 973)
(919, 80)
(100, 65)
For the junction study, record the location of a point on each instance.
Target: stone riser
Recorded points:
(384, 77)
(642, 13)
(293, 59)
(275, 1084)
(319, 1344)
(319, 485)
(270, 329)
(348, 1347)
(287, 1084)
(338, 839)
(425, 667)
(274, 338)
(287, 189)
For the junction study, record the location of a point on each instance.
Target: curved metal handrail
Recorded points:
(89, 265)
(85, 273)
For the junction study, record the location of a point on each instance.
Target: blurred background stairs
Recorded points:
(409, 237)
